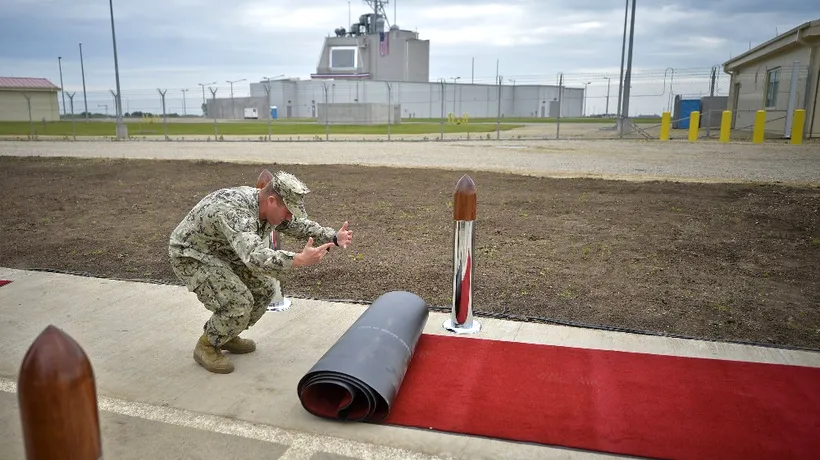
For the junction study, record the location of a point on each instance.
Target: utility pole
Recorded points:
(233, 110)
(184, 111)
(62, 88)
(122, 132)
(628, 79)
(203, 85)
(82, 69)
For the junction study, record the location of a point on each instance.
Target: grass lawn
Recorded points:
(471, 120)
(136, 128)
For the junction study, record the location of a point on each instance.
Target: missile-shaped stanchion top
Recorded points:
(464, 214)
(57, 397)
(464, 199)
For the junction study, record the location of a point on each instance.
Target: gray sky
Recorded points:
(176, 44)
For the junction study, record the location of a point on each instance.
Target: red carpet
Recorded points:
(616, 402)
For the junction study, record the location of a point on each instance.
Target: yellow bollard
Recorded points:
(797, 127)
(760, 126)
(666, 121)
(725, 125)
(694, 126)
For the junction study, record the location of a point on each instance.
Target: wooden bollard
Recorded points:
(461, 319)
(57, 397)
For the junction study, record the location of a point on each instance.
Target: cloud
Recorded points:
(178, 43)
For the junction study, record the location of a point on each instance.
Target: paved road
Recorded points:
(622, 159)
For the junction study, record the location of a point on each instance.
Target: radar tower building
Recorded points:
(371, 51)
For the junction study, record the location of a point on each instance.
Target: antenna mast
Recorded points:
(378, 9)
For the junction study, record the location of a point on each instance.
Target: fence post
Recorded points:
(213, 107)
(797, 127)
(57, 397)
(760, 126)
(389, 107)
(666, 121)
(464, 213)
(164, 117)
(73, 128)
(725, 126)
(792, 99)
(694, 126)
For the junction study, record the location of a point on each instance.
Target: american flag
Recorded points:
(384, 43)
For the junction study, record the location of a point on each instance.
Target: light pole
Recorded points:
(233, 110)
(122, 131)
(584, 111)
(455, 79)
(184, 111)
(203, 85)
(62, 88)
(606, 111)
(82, 69)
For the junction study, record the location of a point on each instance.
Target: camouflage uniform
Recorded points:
(222, 253)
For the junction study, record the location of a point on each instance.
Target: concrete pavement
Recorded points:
(156, 402)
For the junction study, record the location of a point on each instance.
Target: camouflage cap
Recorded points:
(293, 191)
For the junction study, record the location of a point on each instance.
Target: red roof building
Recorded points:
(27, 83)
(21, 97)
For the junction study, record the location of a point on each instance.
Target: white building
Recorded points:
(372, 65)
(778, 76)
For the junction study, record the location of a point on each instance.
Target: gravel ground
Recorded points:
(615, 159)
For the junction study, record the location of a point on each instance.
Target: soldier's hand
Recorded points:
(311, 255)
(344, 236)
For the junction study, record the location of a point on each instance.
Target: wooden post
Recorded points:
(58, 400)
(464, 213)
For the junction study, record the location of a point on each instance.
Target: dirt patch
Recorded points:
(722, 261)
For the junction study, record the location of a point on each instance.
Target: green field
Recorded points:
(534, 120)
(136, 128)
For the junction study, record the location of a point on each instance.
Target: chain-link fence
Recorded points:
(557, 106)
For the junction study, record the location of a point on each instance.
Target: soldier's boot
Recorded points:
(238, 345)
(211, 358)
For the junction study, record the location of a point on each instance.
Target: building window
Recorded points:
(343, 57)
(772, 85)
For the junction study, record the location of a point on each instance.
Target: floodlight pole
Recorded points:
(122, 132)
(62, 88)
(82, 69)
(464, 213)
(628, 78)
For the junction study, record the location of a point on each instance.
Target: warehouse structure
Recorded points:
(373, 66)
(24, 99)
(778, 76)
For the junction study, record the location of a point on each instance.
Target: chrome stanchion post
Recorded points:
(279, 302)
(461, 319)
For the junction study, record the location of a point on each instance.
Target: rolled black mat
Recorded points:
(358, 378)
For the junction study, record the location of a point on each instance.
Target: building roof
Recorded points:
(792, 37)
(27, 83)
